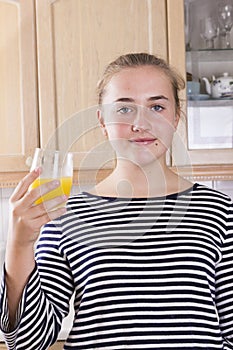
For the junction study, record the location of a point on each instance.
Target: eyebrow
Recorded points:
(152, 98)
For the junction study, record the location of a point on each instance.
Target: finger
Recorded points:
(24, 184)
(47, 206)
(47, 217)
(54, 203)
(54, 214)
(33, 195)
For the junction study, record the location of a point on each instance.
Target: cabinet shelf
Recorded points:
(211, 102)
(212, 55)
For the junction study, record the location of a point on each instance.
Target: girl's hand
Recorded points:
(26, 218)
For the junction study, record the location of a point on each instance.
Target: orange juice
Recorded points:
(64, 188)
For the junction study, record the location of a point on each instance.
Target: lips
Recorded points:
(143, 141)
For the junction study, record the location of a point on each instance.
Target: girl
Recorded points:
(147, 255)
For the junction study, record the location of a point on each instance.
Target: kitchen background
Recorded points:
(52, 54)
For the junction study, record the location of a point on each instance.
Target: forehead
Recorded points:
(142, 80)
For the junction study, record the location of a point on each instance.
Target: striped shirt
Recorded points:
(149, 274)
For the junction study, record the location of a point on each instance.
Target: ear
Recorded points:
(101, 121)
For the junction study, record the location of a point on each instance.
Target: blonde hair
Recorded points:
(133, 60)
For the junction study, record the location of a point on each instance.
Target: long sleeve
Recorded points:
(45, 300)
(224, 286)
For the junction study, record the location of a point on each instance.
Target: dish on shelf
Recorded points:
(200, 97)
(224, 96)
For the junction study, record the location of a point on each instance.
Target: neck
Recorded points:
(141, 181)
(130, 180)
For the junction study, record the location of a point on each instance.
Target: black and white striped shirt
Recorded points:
(151, 273)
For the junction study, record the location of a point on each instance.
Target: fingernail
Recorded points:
(37, 170)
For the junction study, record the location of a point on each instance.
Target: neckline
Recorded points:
(168, 196)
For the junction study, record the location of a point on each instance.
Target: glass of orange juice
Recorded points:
(55, 165)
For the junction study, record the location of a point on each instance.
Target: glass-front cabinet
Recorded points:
(209, 90)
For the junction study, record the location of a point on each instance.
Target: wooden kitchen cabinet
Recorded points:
(59, 50)
(18, 85)
(76, 39)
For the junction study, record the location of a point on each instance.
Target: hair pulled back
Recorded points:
(133, 60)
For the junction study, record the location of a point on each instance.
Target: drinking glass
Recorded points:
(225, 18)
(54, 165)
(222, 37)
(208, 31)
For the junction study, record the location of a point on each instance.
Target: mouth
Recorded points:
(144, 141)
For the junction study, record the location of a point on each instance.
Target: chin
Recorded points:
(143, 163)
(141, 157)
(140, 161)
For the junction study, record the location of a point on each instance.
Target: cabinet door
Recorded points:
(18, 91)
(202, 146)
(76, 39)
(176, 56)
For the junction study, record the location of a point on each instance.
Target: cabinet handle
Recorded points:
(29, 161)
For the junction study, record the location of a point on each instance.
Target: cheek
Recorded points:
(162, 124)
(117, 131)
(164, 130)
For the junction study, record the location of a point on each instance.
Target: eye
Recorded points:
(157, 108)
(124, 110)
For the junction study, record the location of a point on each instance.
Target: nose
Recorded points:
(141, 121)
